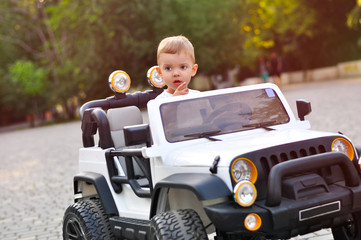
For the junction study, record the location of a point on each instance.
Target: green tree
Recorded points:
(354, 16)
(25, 24)
(80, 43)
(274, 25)
(212, 27)
(354, 20)
(330, 41)
(101, 36)
(29, 82)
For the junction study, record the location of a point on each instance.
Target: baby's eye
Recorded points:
(184, 67)
(167, 68)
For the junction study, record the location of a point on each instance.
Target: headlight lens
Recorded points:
(119, 81)
(344, 146)
(245, 193)
(154, 78)
(243, 169)
(252, 222)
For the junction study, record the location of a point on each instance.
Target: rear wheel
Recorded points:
(350, 231)
(179, 224)
(86, 220)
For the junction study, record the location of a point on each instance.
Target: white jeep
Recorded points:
(225, 164)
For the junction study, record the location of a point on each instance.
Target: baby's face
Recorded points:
(176, 69)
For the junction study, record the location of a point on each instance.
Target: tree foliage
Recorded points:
(330, 41)
(354, 20)
(29, 78)
(354, 17)
(275, 25)
(29, 81)
(75, 45)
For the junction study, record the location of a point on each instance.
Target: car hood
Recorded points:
(203, 151)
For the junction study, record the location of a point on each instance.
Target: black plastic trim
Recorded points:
(285, 217)
(102, 188)
(204, 186)
(265, 159)
(274, 190)
(130, 228)
(96, 119)
(137, 134)
(93, 115)
(139, 99)
(129, 155)
(303, 108)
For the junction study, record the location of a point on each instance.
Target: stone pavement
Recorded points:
(37, 165)
(36, 168)
(324, 234)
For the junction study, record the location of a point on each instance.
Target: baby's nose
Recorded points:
(176, 72)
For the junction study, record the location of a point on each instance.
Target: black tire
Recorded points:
(350, 231)
(178, 225)
(86, 220)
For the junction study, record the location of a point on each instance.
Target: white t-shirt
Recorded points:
(166, 94)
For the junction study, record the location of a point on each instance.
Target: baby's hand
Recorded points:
(181, 90)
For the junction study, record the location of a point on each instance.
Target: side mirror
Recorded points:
(137, 134)
(303, 108)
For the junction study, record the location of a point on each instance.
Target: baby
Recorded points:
(177, 65)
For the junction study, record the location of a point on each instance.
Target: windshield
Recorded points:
(223, 113)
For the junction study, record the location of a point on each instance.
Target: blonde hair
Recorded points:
(176, 44)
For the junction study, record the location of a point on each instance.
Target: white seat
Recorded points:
(119, 118)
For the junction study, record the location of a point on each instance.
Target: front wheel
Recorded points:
(179, 224)
(350, 231)
(86, 220)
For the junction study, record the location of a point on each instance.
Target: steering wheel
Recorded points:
(229, 116)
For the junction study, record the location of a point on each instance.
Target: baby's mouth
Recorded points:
(177, 82)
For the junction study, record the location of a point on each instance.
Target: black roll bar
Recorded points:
(94, 118)
(139, 99)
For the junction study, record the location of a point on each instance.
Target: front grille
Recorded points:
(265, 159)
(268, 161)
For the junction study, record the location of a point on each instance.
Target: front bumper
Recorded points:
(284, 216)
(291, 217)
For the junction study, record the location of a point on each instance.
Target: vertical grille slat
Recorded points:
(265, 164)
(313, 151)
(321, 149)
(274, 159)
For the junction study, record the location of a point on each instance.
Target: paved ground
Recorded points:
(37, 165)
(36, 180)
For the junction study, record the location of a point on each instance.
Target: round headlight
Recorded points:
(252, 222)
(243, 169)
(344, 146)
(245, 193)
(119, 81)
(154, 78)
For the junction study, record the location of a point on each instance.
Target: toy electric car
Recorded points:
(223, 164)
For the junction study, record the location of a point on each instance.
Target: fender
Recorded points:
(204, 186)
(101, 187)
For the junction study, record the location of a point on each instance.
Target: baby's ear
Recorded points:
(194, 69)
(159, 71)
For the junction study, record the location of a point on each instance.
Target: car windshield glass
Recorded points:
(220, 114)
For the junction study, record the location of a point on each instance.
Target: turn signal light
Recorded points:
(252, 222)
